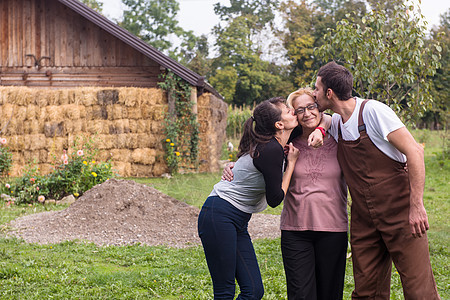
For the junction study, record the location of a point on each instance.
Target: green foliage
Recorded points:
(387, 57)
(262, 10)
(5, 158)
(181, 126)
(73, 173)
(94, 4)
(225, 81)
(305, 23)
(438, 116)
(236, 118)
(154, 21)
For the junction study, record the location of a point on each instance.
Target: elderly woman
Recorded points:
(314, 218)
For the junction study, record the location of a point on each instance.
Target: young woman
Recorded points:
(314, 218)
(258, 181)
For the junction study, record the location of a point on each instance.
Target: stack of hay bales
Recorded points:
(126, 123)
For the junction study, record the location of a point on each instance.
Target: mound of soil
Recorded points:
(119, 212)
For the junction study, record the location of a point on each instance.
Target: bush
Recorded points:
(73, 173)
(5, 158)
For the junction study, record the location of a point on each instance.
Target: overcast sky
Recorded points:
(198, 15)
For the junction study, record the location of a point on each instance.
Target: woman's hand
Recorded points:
(227, 174)
(292, 154)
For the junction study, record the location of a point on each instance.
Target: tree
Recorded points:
(241, 74)
(438, 115)
(305, 24)
(261, 9)
(94, 4)
(154, 21)
(389, 60)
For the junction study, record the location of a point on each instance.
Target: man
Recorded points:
(388, 218)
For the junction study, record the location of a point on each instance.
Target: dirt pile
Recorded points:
(119, 212)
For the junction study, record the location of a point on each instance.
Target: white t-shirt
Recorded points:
(380, 120)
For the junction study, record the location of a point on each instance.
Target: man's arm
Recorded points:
(315, 139)
(405, 143)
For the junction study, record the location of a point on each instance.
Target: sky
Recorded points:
(189, 19)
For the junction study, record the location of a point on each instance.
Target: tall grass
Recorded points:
(80, 270)
(235, 121)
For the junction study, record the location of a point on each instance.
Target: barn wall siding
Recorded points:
(44, 43)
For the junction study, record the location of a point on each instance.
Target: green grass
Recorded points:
(79, 270)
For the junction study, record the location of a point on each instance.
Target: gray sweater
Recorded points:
(255, 179)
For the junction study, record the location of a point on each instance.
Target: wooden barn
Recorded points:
(66, 71)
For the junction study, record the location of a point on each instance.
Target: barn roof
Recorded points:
(185, 73)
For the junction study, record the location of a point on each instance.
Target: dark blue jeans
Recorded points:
(229, 250)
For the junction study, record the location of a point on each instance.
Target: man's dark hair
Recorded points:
(338, 78)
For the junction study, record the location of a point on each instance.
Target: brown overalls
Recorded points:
(380, 230)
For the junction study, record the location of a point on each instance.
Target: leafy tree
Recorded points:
(389, 60)
(241, 74)
(438, 115)
(154, 21)
(94, 4)
(263, 10)
(225, 81)
(197, 60)
(305, 24)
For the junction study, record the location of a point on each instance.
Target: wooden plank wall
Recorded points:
(70, 50)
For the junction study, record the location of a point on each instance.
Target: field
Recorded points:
(79, 270)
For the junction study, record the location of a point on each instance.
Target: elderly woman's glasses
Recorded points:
(309, 107)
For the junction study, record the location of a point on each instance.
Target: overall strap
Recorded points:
(361, 125)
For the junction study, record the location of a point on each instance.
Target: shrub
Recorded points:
(5, 158)
(73, 173)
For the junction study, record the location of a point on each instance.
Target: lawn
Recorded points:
(79, 270)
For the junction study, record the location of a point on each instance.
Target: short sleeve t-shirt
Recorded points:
(380, 120)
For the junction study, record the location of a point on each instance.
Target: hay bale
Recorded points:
(132, 141)
(159, 169)
(122, 168)
(118, 112)
(57, 144)
(123, 155)
(145, 140)
(144, 156)
(40, 98)
(31, 112)
(143, 126)
(106, 142)
(97, 127)
(71, 111)
(16, 142)
(107, 96)
(35, 142)
(54, 113)
(79, 126)
(43, 156)
(139, 170)
(54, 129)
(20, 113)
(133, 126)
(30, 156)
(119, 126)
(85, 97)
(134, 112)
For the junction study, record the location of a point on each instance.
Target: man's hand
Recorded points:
(418, 221)
(315, 139)
(227, 174)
